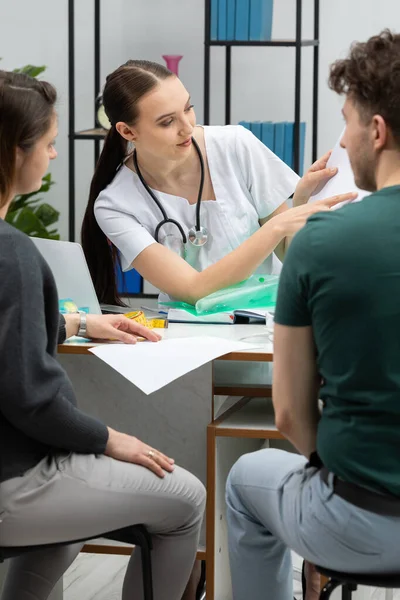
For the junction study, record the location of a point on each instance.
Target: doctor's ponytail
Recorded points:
(100, 255)
(122, 92)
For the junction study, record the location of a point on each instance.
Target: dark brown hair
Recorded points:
(370, 76)
(122, 92)
(26, 111)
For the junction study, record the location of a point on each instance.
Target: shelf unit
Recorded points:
(95, 134)
(248, 418)
(91, 134)
(239, 430)
(298, 43)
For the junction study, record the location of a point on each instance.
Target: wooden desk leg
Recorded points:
(222, 453)
(210, 513)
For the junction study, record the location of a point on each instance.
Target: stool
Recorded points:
(350, 581)
(136, 535)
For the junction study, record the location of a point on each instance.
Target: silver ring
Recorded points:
(151, 454)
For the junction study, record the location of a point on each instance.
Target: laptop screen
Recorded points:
(71, 273)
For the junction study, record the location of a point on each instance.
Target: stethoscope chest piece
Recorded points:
(198, 237)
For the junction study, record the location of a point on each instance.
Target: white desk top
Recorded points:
(259, 335)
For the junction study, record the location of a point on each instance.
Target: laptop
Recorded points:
(72, 276)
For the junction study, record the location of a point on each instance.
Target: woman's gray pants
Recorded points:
(71, 496)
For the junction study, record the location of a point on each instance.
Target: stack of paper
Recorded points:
(152, 366)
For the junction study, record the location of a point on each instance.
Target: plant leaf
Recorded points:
(47, 214)
(31, 70)
(11, 216)
(29, 223)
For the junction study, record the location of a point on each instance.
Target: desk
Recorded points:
(256, 334)
(206, 439)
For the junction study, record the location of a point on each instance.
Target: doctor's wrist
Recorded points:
(299, 199)
(279, 227)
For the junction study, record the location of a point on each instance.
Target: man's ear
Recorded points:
(127, 132)
(380, 132)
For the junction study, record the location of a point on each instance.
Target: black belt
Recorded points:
(381, 504)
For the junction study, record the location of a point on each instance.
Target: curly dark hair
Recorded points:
(370, 76)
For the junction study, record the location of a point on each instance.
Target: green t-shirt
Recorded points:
(341, 275)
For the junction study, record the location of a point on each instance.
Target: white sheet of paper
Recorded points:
(343, 181)
(151, 366)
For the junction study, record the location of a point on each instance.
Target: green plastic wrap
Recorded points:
(257, 292)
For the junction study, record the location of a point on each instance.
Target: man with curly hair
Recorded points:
(337, 324)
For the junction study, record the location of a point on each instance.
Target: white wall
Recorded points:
(263, 78)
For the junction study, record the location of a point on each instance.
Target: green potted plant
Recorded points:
(28, 212)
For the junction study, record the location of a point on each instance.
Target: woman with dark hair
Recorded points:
(64, 474)
(214, 198)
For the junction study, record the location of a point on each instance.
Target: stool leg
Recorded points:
(347, 591)
(328, 588)
(147, 572)
(201, 585)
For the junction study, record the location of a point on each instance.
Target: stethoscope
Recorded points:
(197, 235)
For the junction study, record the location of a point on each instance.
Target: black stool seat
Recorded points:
(349, 582)
(134, 534)
(382, 580)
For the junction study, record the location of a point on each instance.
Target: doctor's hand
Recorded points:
(290, 221)
(314, 180)
(118, 327)
(128, 448)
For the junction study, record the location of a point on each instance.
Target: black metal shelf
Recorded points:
(273, 43)
(95, 133)
(298, 43)
(90, 134)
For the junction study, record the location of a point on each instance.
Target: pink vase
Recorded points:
(172, 61)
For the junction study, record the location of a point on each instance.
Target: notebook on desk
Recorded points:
(72, 276)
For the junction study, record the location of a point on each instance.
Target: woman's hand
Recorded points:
(129, 449)
(118, 327)
(290, 221)
(314, 180)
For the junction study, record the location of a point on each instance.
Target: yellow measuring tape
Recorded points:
(139, 317)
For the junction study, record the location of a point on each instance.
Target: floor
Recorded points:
(99, 577)
(95, 577)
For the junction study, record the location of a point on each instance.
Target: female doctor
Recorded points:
(214, 198)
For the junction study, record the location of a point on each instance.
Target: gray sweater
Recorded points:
(38, 413)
